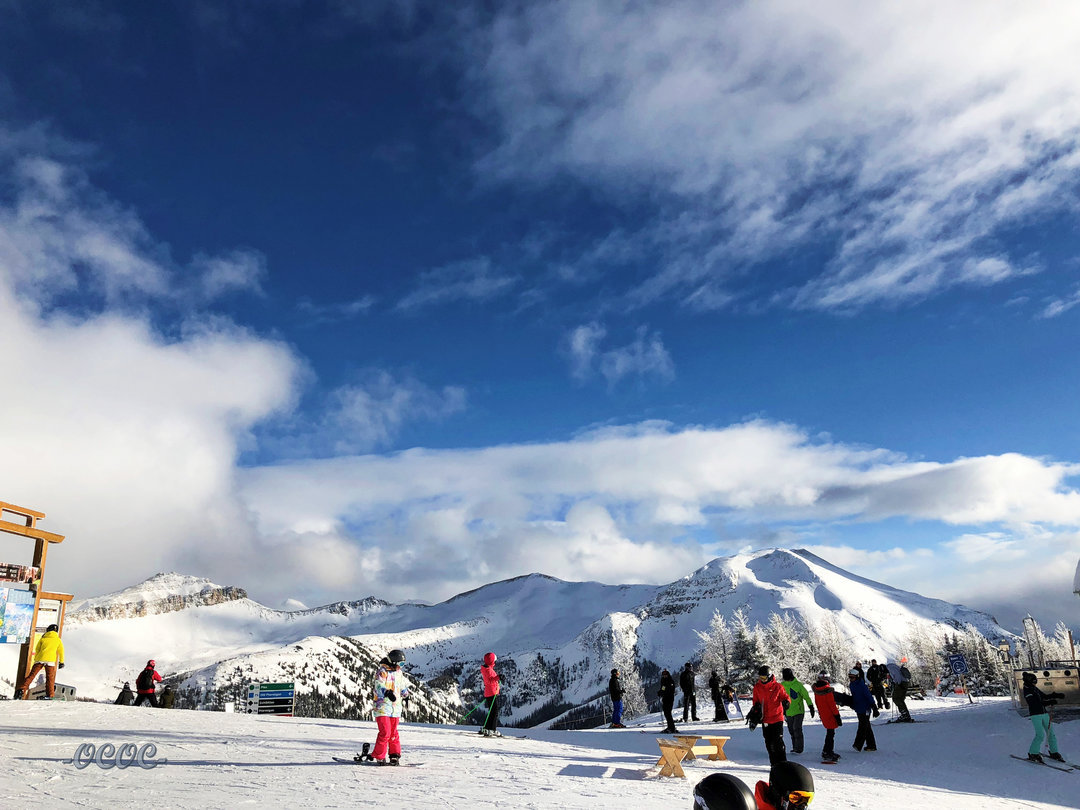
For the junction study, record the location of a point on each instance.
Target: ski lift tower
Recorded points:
(22, 610)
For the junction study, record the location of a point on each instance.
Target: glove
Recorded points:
(839, 722)
(1058, 695)
(389, 695)
(1050, 702)
(876, 713)
(811, 711)
(61, 665)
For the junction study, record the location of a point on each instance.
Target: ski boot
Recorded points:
(395, 759)
(18, 694)
(1036, 758)
(1056, 757)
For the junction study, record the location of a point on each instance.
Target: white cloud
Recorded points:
(906, 134)
(237, 271)
(644, 356)
(1060, 306)
(471, 280)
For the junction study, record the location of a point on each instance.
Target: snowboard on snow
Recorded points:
(354, 761)
(1067, 766)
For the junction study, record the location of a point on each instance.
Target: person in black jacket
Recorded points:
(720, 712)
(877, 674)
(1037, 701)
(689, 697)
(667, 700)
(126, 696)
(615, 692)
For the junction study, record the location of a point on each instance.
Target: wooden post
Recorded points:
(28, 528)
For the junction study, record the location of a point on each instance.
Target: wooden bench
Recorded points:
(712, 748)
(672, 753)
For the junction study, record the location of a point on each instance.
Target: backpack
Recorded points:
(145, 681)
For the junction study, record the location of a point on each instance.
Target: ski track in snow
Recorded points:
(230, 760)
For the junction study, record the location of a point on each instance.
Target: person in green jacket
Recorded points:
(800, 702)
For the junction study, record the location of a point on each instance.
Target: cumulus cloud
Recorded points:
(441, 520)
(645, 356)
(901, 138)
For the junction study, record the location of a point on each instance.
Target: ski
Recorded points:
(1045, 764)
(890, 722)
(354, 761)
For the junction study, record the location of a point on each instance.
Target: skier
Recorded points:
(390, 684)
(770, 701)
(689, 697)
(667, 700)
(491, 696)
(168, 697)
(877, 675)
(1037, 701)
(719, 712)
(825, 698)
(901, 679)
(126, 696)
(145, 684)
(790, 786)
(800, 702)
(863, 703)
(615, 692)
(48, 655)
(722, 791)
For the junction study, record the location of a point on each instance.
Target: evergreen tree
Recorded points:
(829, 647)
(634, 702)
(745, 650)
(716, 646)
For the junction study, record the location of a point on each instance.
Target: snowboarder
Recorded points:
(126, 696)
(144, 684)
(615, 692)
(825, 698)
(667, 700)
(719, 712)
(1038, 701)
(390, 685)
(689, 696)
(878, 674)
(722, 791)
(790, 786)
(900, 676)
(48, 655)
(770, 701)
(168, 697)
(800, 702)
(491, 696)
(863, 704)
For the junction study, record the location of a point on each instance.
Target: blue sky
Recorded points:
(400, 297)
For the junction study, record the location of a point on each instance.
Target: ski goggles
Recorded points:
(799, 798)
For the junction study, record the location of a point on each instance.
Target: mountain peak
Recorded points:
(164, 592)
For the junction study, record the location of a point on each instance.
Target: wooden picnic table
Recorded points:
(685, 748)
(712, 748)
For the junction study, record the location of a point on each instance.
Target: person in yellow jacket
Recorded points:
(49, 654)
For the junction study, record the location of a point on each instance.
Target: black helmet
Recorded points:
(787, 674)
(1030, 677)
(395, 657)
(786, 778)
(52, 628)
(614, 672)
(764, 670)
(722, 791)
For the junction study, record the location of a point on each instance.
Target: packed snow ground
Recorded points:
(958, 759)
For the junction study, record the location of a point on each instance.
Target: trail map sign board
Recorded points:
(958, 664)
(271, 698)
(16, 615)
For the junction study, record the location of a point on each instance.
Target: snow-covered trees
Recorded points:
(717, 645)
(634, 702)
(745, 650)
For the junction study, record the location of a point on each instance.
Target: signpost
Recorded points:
(959, 666)
(271, 698)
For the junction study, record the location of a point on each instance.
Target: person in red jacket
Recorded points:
(770, 701)
(144, 684)
(825, 698)
(491, 696)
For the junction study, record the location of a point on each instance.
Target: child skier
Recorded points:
(825, 698)
(390, 685)
(491, 696)
(1037, 701)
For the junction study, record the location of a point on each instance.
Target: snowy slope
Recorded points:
(958, 760)
(555, 639)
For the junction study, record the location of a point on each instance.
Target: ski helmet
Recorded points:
(824, 676)
(52, 628)
(722, 791)
(614, 672)
(396, 656)
(764, 670)
(787, 674)
(791, 784)
(853, 673)
(489, 659)
(1030, 677)
(151, 663)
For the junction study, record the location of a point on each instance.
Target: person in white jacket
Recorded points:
(391, 688)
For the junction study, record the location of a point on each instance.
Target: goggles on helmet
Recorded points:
(799, 798)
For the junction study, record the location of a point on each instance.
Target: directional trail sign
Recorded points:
(958, 664)
(271, 698)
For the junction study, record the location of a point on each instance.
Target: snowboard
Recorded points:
(902, 722)
(830, 762)
(1055, 766)
(351, 761)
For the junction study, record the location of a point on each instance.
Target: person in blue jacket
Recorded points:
(863, 704)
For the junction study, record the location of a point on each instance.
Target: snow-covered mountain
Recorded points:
(555, 640)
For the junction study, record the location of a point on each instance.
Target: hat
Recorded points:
(853, 673)
(614, 672)
(151, 663)
(763, 670)
(823, 676)
(787, 674)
